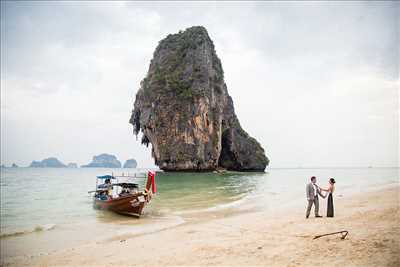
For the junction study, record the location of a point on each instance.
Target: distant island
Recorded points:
(130, 163)
(14, 165)
(184, 111)
(72, 165)
(100, 161)
(104, 161)
(51, 162)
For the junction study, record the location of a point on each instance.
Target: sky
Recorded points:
(316, 83)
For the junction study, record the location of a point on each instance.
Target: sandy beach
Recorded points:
(284, 238)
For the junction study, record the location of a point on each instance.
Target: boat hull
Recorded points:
(131, 204)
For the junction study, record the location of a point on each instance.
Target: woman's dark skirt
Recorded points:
(329, 212)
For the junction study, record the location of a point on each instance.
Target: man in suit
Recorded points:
(312, 192)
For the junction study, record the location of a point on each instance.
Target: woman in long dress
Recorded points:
(330, 190)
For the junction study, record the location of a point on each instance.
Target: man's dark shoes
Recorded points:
(318, 216)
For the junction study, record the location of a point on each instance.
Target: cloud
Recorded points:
(316, 83)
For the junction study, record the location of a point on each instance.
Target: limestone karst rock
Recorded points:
(72, 165)
(51, 162)
(184, 110)
(130, 163)
(103, 161)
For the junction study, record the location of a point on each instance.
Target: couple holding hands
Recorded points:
(312, 192)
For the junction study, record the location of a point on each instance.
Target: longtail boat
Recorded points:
(123, 197)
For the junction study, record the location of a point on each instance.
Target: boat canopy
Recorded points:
(106, 177)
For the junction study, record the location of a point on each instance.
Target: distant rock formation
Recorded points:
(14, 165)
(36, 164)
(184, 110)
(72, 165)
(48, 163)
(130, 163)
(104, 161)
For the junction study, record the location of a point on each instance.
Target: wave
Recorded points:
(219, 207)
(39, 228)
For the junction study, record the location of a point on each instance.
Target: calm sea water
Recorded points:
(51, 208)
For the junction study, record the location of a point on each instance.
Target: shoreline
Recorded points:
(273, 238)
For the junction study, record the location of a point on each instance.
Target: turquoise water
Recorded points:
(52, 207)
(35, 197)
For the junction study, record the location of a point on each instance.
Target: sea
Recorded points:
(46, 209)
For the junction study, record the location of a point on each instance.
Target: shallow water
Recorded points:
(44, 209)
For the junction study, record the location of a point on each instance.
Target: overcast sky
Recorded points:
(317, 84)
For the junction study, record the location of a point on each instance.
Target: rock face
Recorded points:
(184, 110)
(130, 163)
(104, 161)
(48, 163)
(72, 165)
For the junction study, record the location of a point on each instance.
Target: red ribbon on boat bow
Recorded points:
(152, 175)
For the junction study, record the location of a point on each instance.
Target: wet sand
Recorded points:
(283, 238)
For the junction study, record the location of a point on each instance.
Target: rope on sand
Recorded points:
(343, 234)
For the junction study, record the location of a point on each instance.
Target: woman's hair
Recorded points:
(332, 180)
